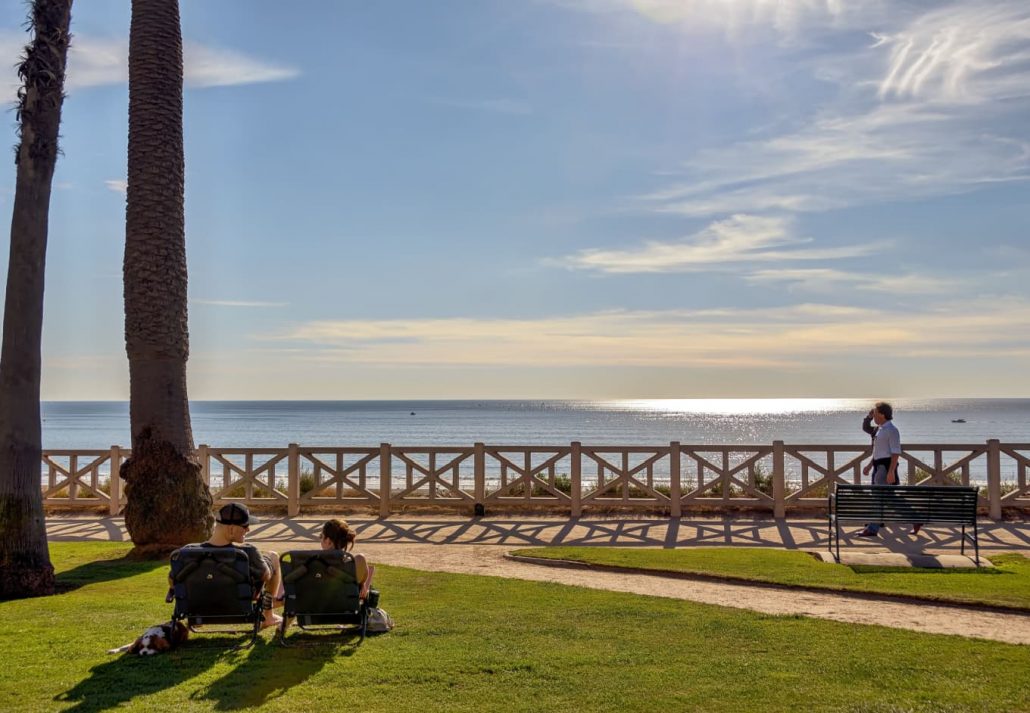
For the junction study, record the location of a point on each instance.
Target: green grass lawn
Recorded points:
(1006, 584)
(467, 643)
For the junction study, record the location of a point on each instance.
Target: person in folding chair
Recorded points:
(338, 535)
(327, 590)
(231, 526)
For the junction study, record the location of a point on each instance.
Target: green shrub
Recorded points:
(562, 483)
(240, 491)
(1007, 488)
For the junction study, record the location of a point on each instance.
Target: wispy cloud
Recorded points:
(829, 280)
(784, 338)
(100, 61)
(972, 52)
(237, 303)
(738, 239)
(118, 185)
(890, 152)
(932, 105)
(216, 67)
(790, 19)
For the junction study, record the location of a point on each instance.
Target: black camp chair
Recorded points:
(213, 588)
(322, 591)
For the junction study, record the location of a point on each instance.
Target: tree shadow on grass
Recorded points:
(271, 670)
(122, 679)
(104, 571)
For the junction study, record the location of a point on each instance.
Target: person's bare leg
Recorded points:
(272, 586)
(367, 584)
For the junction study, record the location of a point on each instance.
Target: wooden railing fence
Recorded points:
(676, 478)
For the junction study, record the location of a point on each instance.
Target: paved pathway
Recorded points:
(467, 546)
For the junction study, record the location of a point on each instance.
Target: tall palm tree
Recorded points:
(25, 568)
(168, 502)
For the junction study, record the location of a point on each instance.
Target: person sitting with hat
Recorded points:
(231, 526)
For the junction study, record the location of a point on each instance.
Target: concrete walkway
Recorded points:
(542, 531)
(478, 546)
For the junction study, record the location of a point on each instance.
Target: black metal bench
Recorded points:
(923, 504)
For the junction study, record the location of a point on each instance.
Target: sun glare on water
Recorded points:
(740, 407)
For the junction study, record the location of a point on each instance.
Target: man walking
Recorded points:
(886, 451)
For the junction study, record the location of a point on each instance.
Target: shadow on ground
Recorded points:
(269, 671)
(104, 571)
(125, 678)
(255, 675)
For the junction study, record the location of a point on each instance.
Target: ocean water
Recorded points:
(100, 424)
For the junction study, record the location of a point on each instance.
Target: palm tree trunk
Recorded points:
(25, 568)
(168, 502)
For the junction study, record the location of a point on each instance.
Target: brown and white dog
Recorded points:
(156, 640)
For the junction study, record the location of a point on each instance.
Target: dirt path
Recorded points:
(928, 618)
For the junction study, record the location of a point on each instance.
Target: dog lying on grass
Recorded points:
(156, 640)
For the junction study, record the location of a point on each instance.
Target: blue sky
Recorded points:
(564, 198)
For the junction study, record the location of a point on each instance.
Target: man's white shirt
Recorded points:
(887, 441)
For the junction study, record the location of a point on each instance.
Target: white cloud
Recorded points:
(738, 239)
(972, 52)
(118, 185)
(96, 61)
(100, 61)
(783, 338)
(11, 46)
(214, 67)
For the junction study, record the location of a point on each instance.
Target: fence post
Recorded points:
(479, 473)
(779, 481)
(205, 466)
(675, 505)
(994, 478)
(576, 478)
(293, 480)
(384, 479)
(115, 481)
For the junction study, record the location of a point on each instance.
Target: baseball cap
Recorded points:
(235, 514)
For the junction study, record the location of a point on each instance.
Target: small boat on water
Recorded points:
(958, 420)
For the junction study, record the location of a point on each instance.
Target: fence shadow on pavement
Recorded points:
(790, 533)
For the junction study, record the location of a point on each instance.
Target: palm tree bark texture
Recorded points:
(168, 503)
(25, 568)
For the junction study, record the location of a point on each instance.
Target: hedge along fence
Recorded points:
(568, 478)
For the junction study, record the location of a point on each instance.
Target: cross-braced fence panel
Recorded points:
(348, 476)
(77, 477)
(711, 474)
(812, 469)
(528, 474)
(430, 474)
(933, 464)
(252, 475)
(635, 476)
